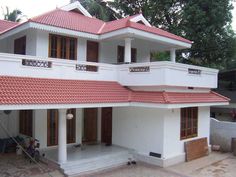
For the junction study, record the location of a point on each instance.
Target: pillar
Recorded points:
(128, 50)
(172, 55)
(62, 151)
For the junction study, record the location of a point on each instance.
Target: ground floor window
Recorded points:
(26, 117)
(189, 122)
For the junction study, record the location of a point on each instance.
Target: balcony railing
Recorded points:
(135, 74)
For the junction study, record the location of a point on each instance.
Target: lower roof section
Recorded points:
(38, 93)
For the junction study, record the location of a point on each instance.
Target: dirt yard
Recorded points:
(12, 165)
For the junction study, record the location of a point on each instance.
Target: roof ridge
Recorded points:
(165, 97)
(101, 28)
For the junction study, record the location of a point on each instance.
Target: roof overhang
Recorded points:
(131, 32)
(18, 93)
(99, 105)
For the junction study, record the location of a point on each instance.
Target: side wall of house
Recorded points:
(140, 129)
(148, 130)
(173, 146)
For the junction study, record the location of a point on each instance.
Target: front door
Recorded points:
(52, 127)
(106, 133)
(90, 125)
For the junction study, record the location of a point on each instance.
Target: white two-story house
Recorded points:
(124, 106)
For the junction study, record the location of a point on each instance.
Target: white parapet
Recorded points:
(164, 73)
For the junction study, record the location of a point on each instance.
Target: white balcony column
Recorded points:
(62, 151)
(172, 55)
(128, 50)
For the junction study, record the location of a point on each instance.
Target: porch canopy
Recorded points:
(18, 93)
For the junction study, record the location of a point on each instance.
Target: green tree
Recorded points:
(205, 22)
(165, 14)
(99, 9)
(208, 24)
(14, 16)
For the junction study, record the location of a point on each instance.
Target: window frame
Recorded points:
(62, 50)
(188, 123)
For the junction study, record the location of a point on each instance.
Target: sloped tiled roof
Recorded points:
(78, 22)
(5, 25)
(69, 20)
(25, 90)
(177, 97)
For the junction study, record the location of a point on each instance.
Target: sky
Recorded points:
(32, 8)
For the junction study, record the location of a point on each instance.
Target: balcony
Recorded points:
(136, 74)
(167, 73)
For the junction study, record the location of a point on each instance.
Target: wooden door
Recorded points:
(90, 125)
(106, 133)
(20, 45)
(92, 51)
(121, 54)
(52, 127)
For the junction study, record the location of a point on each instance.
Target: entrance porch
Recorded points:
(90, 158)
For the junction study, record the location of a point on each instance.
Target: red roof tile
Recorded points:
(22, 90)
(5, 25)
(177, 97)
(69, 20)
(78, 22)
(125, 22)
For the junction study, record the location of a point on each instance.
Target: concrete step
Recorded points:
(91, 165)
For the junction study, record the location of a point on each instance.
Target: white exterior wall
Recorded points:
(155, 130)
(31, 38)
(10, 122)
(173, 146)
(140, 129)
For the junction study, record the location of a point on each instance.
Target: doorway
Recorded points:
(121, 54)
(90, 125)
(20, 45)
(106, 129)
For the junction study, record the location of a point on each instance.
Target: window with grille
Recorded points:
(189, 122)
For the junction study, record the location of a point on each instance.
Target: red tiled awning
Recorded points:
(177, 97)
(24, 90)
(21, 90)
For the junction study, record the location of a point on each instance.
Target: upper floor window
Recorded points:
(20, 45)
(189, 122)
(62, 47)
